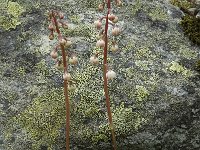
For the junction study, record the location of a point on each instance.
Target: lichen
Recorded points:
(141, 93)
(43, 118)
(11, 19)
(187, 53)
(177, 68)
(158, 14)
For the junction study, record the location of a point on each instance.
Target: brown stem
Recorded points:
(106, 81)
(65, 84)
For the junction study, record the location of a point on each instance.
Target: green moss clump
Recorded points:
(191, 27)
(181, 3)
(197, 65)
(190, 24)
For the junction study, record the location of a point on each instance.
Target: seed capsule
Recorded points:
(67, 76)
(110, 75)
(94, 60)
(100, 43)
(73, 60)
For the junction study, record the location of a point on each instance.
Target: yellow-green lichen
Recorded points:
(21, 71)
(188, 53)
(158, 14)
(177, 68)
(141, 93)
(125, 120)
(11, 20)
(137, 6)
(43, 119)
(75, 19)
(81, 31)
(143, 52)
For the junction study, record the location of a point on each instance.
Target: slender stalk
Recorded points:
(65, 84)
(106, 81)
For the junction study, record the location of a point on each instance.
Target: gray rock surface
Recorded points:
(155, 97)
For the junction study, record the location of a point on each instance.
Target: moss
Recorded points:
(181, 3)
(11, 20)
(191, 27)
(197, 65)
(190, 24)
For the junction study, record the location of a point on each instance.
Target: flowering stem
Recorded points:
(65, 83)
(106, 81)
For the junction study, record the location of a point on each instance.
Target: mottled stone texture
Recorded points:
(155, 97)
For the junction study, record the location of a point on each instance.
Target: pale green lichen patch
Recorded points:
(188, 53)
(158, 14)
(43, 118)
(14, 10)
(141, 93)
(177, 68)
(126, 120)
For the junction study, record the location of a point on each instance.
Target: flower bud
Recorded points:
(71, 87)
(61, 15)
(110, 75)
(94, 60)
(73, 60)
(62, 42)
(100, 43)
(115, 20)
(50, 27)
(68, 44)
(54, 54)
(51, 36)
(114, 48)
(64, 25)
(119, 3)
(67, 76)
(98, 24)
(115, 31)
(111, 17)
(100, 7)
